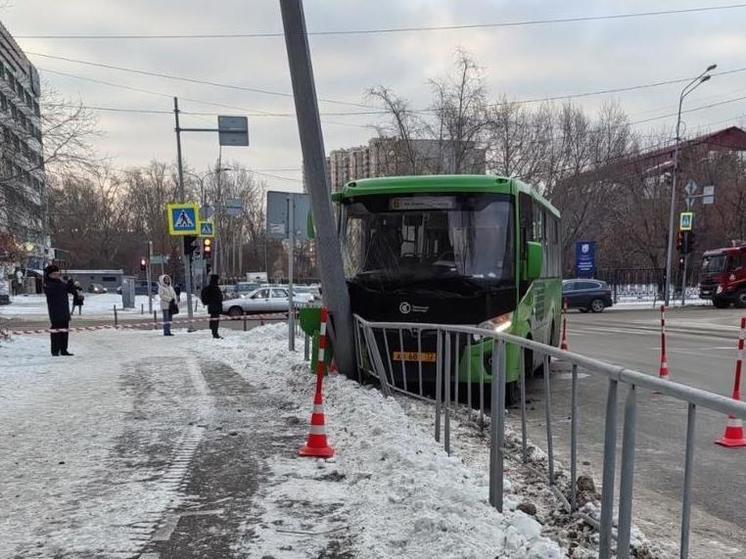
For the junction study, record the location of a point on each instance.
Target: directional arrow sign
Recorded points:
(182, 219)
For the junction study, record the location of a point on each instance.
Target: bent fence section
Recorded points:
(434, 360)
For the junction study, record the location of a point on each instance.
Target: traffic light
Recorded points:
(688, 245)
(207, 247)
(190, 244)
(143, 264)
(682, 261)
(680, 241)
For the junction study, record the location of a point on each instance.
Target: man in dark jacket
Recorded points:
(212, 298)
(59, 311)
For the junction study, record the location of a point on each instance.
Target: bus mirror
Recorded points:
(533, 263)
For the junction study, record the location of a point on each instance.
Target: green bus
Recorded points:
(452, 249)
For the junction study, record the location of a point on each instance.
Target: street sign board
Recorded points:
(691, 187)
(159, 259)
(206, 229)
(278, 216)
(708, 195)
(182, 218)
(233, 207)
(686, 221)
(585, 259)
(233, 130)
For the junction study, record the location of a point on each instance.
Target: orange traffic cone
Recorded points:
(733, 436)
(563, 343)
(316, 445)
(663, 371)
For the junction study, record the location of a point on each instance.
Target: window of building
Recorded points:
(29, 102)
(19, 89)
(37, 112)
(2, 70)
(11, 81)
(13, 111)
(3, 102)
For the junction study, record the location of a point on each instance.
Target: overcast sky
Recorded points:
(522, 62)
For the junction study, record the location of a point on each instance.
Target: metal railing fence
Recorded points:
(448, 357)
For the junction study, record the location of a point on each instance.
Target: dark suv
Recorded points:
(586, 294)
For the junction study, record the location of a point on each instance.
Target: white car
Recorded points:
(263, 300)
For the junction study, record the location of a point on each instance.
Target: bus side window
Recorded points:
(526, 214)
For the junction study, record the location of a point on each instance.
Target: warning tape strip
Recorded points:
(155, 324)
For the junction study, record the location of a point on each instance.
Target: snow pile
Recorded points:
(390, 492)
(95, 304)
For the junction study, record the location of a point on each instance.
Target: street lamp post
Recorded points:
(691, 86)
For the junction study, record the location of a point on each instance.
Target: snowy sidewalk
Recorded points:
(144, 446)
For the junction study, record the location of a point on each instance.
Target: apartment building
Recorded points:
(22, 181)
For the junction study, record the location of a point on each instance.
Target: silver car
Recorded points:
(263, 300)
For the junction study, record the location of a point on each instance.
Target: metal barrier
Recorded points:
(447, 343)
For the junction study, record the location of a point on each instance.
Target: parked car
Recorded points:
(263, 300)
(96, 288)
(310, 290)
(586, 294)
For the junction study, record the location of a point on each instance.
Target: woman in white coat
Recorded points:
(166, 294)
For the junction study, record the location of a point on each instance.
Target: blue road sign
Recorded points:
(183, 219)
(585, 259)
(206, 229)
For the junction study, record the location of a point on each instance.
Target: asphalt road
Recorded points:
(701, 352)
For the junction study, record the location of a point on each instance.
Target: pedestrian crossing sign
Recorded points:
(206, 229)
(686, 220)
(182, 219)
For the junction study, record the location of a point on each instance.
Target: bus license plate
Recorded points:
(425, 357)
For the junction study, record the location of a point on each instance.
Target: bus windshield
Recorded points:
(421, 240)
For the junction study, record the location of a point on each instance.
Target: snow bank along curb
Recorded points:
(402, 495)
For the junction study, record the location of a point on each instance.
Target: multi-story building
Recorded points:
(384, 157)
(22, 181)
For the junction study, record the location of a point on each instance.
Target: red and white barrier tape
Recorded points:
(134, 325)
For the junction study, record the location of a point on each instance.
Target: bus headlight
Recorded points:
(500, 323)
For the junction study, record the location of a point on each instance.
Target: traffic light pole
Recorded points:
(187, 257)
(148, 278)
(336, 296)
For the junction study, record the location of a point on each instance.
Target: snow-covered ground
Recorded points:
(96, 451)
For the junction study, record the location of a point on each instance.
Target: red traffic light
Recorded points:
(143, 264)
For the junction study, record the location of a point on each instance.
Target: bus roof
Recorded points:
(438, 184)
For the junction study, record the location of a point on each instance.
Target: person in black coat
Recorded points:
(212, 298)
(59, 311)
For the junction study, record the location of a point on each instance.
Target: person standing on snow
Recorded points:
(167, 295)
(78, 298)
(59, 313)
(212, 298)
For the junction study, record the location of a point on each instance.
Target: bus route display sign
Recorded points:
(585, 259)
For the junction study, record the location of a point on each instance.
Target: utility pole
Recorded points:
(187, 257)
(149, 277)
(691, 86)
(336, 296)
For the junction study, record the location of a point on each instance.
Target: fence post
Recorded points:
(626, 483)
(116, 319)
(155, 320)
(243, 315)
(574, 438)
(447, 399)
(438, 382)
(497, 424)
(687, 492)
(524, 428)
(377, 361)
(305, 345)
(548, 415)
(607, 488)
(142, 308)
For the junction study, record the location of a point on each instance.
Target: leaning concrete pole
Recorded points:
(336, 297)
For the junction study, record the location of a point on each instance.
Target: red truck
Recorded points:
(723, 276)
